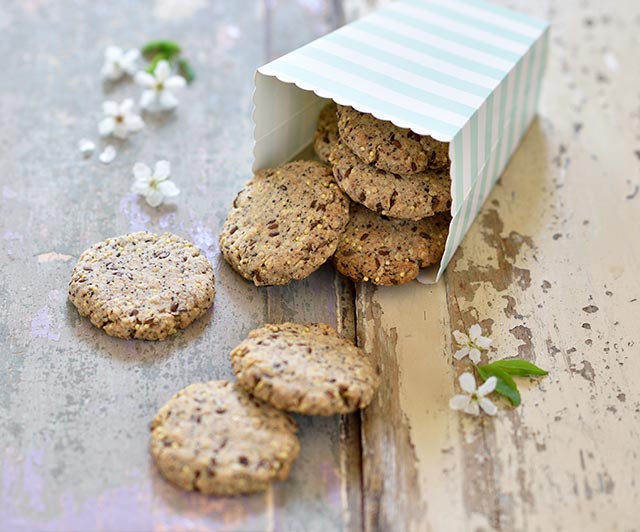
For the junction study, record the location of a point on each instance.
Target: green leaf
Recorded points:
(154, 62)
(499, 373)
(185, 69)
(519, 367)
(506, 386)
(168, 48)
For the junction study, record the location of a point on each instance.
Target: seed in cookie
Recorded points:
(142, 285)
(306, 368)
(387, 146)
(285, 223)
(387, 251)
(215, 438)
(326, 135)
(411, 197)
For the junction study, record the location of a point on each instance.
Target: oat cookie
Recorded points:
(305, 368)
(387, 146)
(387, 251)
(285, 223)
(408, 197)
(326, 135)
(142, 285)
(215, 438)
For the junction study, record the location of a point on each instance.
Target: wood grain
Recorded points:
(548, 269)
(75, 404)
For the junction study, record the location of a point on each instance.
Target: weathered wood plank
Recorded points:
(75, 404)
(549, 270)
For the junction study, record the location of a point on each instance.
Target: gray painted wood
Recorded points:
(75, 404)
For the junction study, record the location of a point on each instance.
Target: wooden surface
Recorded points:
(550, 269)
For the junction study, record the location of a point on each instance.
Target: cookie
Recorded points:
(215, 438)
(326, 135)
(387, 251)
(305, 368)
(285, 223)
(387, 146)
(410, 197)
(142, 285)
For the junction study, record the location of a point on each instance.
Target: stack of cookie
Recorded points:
(400, 185)
(229, 438)
(379, 206)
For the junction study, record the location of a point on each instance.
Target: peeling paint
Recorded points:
(41, 325)
(53, 256)
(176, 9)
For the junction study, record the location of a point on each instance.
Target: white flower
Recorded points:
(472, 344)
(119, 120)
(108, 154)
(86, 147)
(474, 398)
(157, 97)
(117, 62)
(154, 187)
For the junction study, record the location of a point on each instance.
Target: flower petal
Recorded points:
(145, 79)
(130, 61)
(162, 170)
(112, 53)
(175, 82)
(106, 126)
(141, 186)
(148, 100)
(488, 406)
(483, 342)
(461, 338)
(488, 386)
(141, 171)
(110, 108)
(120, 130)
(108, 154)
(459, 402)
(162, 70)
(132, 55)
(168, 101)
(474, 355)
(134, 123)
(111, 71)
(168, 188)
(467, 382)
(86, 147)
(126, 106)
(462, 352)
(473, 408)
(154, 197)
(475, 331)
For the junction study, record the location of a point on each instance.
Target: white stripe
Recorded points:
(420, 58)
(482, 139)
(443, 44)
(535, 80)
(517, 126)
(495, 122)
(487, 16)
(411, 104)
(400, 75)
(469, 31)
(507, 118)
(452, 172)
(466, 158)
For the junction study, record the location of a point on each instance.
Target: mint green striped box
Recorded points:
(463, 71)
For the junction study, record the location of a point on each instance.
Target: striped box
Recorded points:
(463, 71)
